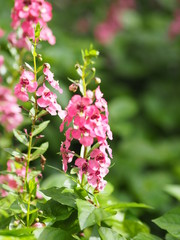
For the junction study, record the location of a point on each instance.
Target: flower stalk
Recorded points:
(31, 134)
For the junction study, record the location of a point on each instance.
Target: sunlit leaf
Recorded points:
(39, 128)
(61, 195)
(170, 222)
(108, 233)
(21, 137)
(90, 215)
(40, 150)
(50, 233)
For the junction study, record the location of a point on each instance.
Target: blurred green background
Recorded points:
(140, 72)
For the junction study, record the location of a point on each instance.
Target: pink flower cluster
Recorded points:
(47, 99)
(27, 84)
(25, 15)
(174, 29)
(1, 64)
(1, 32)
(15, 180)
(105, 31)
(10, 113)
(1, 61)
(90, 126)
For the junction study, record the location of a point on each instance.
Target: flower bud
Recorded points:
(16, 223)
(18, 159)
(39, 56)
(97, 80)
(40, 212)
(25, 130)
(73, 87)
(38, 225)
(43, 162)
(47, 65)
(39, 136)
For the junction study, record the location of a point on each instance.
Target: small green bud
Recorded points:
(16, 223)
(40, 212)
(97, 80)
(39, 56)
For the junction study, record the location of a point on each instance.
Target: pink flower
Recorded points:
(1, 61)
(49, 76)
(19, 42)
(26, 84)
(67, 155)
(76, 106)
(1, 32)
(48, 100)
(27, 80)
(106, 31)
(174, 28)
(25, 15)
(47, 35)
(89, 120)
(15, 182)
(10, 113)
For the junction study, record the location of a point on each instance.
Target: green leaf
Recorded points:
(93, 53)
(50, 233)
(32, 186)
(29, 67)
(13, 152)
(21, 137)
(32, 113)
(17, 232)
(39, 68)
(170, 237)
(146, 236)
(6, 202)
(55, 210)
(170, 222)
(40, 150)
(108, 233)
(40, 80)
(39, 128)
(37, 30)
(42, 113)
(125, 205)
(17, 238)
(79, 69)
(127, 227)
(95, 234)
(74, 170)
(7, 172)
(61, 195)
(33, 174)
(174, 190)
(58, 180)
(15, 207)
(90, 215)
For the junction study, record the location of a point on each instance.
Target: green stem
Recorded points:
(28, 210)
(31, 134)
(83, 78)
(34, 59)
